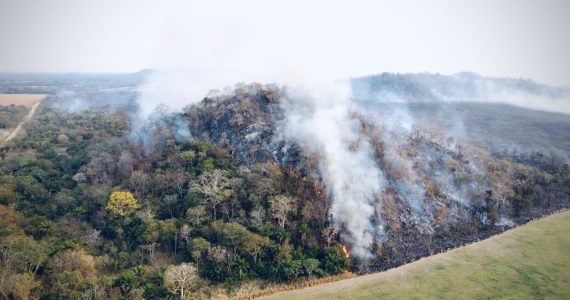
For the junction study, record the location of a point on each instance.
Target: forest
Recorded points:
(92, 209)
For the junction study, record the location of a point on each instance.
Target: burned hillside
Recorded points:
(437, 194)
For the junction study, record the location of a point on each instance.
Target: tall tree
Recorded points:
(216, 187)
(181, 278)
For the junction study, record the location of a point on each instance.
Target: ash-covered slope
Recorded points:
(430, 193)
(243, 121)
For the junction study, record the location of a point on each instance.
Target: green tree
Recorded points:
(198, 248)
(127, 282)
(334, 260)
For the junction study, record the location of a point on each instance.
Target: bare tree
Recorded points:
(140, 182)
(217, 254)
(185, 231)
(257, 217)
(176, 180)
(181, 278)
(151, 248)
(330, 233)
(80, 178)
(125, 164)
(280, 208)
(215, 186)
(92, 238)
(145, 214)
(152, 244)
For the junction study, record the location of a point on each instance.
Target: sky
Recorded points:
(281, 39)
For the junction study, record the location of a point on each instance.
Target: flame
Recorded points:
(346, 252)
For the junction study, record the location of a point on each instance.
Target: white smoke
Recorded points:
(548, 103)
(166, 92)
(320, 120)
(171, 90)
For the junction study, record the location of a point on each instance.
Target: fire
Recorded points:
(346, 252)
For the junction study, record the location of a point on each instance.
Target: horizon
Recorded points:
(107, 73)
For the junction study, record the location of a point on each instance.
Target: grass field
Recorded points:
(27, 100)
(531, 261)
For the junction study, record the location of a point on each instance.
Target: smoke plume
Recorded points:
(320, 120)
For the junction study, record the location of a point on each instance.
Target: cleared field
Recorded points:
(531, 261)
(27, 100)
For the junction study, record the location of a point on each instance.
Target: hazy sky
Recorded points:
(328, 39)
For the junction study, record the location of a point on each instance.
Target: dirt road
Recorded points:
(28, 117)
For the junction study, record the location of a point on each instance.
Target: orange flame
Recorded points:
(346, 252)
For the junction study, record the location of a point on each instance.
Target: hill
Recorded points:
(531, 261)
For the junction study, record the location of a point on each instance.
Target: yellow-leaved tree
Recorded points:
(122, 203)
